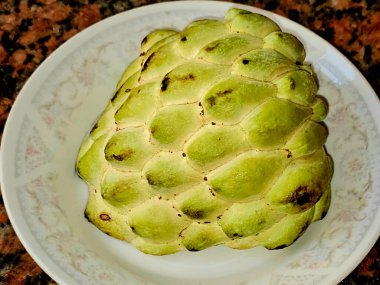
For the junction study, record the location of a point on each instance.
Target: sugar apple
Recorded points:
(213, 136)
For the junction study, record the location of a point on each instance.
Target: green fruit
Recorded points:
(214, 136)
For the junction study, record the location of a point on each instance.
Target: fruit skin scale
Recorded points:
(214, 136)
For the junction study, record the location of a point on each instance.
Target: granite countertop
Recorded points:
(32, 29)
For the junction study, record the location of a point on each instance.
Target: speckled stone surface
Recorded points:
(32, 29)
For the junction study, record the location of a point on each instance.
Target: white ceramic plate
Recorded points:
(59, 103)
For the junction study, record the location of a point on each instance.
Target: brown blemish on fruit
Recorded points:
(211, 48)
(146, 63)
(188, 77)
(154, 129)
(304, 195)
(94, 128)
(104, 217)
(245, 61)
(144, 40)
(194, 214)
(127, 154)
(211, 101)
(183, 39)
(279, 247)
(164, 83)
(224, 93)
(150, 180)
(292, 84)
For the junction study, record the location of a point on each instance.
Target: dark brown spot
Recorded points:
(133, 229)
(192, 213)
(117, 157)
(179, 215)
(87, 217)
(94, 127)
(184, 154)
(144, 40)
(146, 63)
(305, 195)
(202, 113)
(205, 178)
(211, 101)
(245, 61)
(159, 198)
(104, 217)
(150, 179)
(183, 39)
(154, 129)
(298, 62)
(292, 84)
(207, 222)
(305, 226)
(213, 123)
(235, 235)
(188, 77)
(164, 84)
(142, 53)
(219, 217)
(114, 97)
(224, 93)
(324, 213)
(127, 154)
(280, 246)
(191, 248)
(211, 48)
(289, 153)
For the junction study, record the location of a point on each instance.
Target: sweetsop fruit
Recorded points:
(213, 136)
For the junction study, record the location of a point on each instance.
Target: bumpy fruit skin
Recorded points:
(213, 136)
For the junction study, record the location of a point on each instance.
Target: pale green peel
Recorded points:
(201, 236)
(128, 148)
(298, 86)
(156, 220)
(230, 100)
(286, 44)
(214, 144)
(241, 21)
(169, 171)
(153, 38)
(226, 50)
(198, 34)
(262, 64)
(266, 126)
(123, 189)
(246, 219)
(247, 176)
(138, 106)
(308, 139)
(200, 203)
(186, 83)
(173, 124)
(213, 136)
